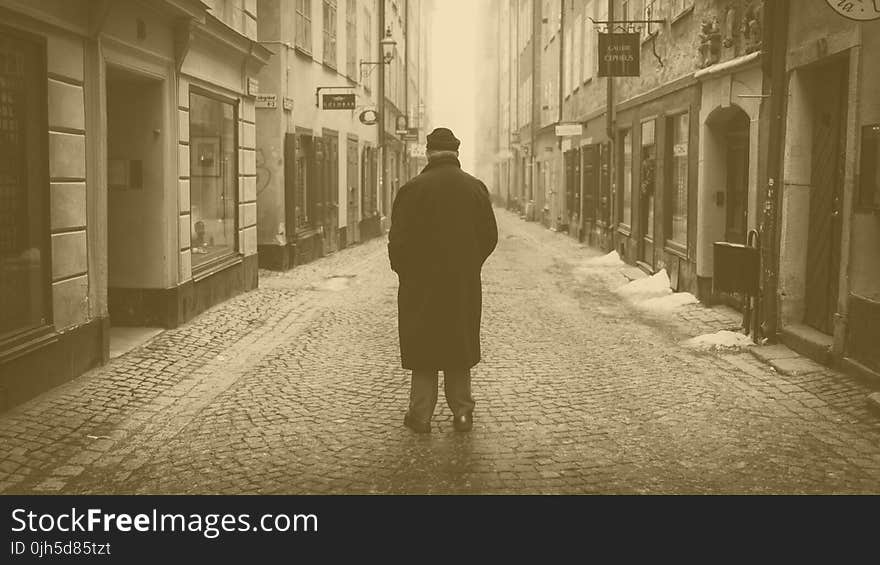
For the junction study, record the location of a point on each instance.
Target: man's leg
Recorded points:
(457, 386)
(422, 398)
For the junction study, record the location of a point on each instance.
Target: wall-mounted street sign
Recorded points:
(619, 54)
(287, 103)
(339, 101)
(860, 10)
(369, 117)
(565, 130)
(412, 134)
(266, 101)
(253, 86)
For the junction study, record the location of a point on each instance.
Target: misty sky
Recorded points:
(453, 72)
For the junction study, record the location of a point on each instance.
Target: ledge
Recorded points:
(729, 65)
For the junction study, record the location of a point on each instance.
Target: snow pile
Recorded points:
(640, 290)
(724, 339)
(669, 302)
(610, 260)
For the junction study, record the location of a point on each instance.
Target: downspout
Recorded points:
(609, 131)
(775, 39)
(561, 190)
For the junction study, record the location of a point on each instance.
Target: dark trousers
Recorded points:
(423, 393)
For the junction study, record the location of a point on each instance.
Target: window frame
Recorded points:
(671, 189)
(624, 135)
(209, 267)
(20, 341)
(351, 39)
(330, 33)
(303, 13)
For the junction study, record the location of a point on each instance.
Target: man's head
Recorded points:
(441, 143)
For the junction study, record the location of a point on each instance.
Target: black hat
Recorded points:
(442, 139)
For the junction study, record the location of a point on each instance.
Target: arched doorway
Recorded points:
(728, 167)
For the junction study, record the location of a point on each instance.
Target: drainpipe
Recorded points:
(609, 131)
(380, 107)
(774, 42)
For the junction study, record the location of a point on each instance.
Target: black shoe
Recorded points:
(415, 425)
(463, 422)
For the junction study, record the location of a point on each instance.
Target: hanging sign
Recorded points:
(565, 130)
(416, 150)
(412, 134)
(369, 117)
(619, 54)
(400, 128)
(859, 10)
(339, 101)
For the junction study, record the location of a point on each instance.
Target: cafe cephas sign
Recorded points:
(859, 10)
(619, 54)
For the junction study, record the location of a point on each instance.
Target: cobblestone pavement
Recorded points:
(296, 388)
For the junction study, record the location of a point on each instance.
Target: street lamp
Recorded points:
(388, 44)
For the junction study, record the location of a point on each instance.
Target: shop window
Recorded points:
(303, 193)
(647, 177)
(303, 39)
(24, 226)
(330, 33)
(213, 178)
(677, 195)
(351, 39)
(626, 179)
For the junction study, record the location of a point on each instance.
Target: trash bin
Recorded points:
(736, 268)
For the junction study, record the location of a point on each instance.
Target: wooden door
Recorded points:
(824, 238)
(352, 177)
(589, 188)
(737, 194)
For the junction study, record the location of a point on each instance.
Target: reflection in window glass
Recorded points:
(678, 198)
(213, 178)
(648, 177)
(23, 185)
(626, 178)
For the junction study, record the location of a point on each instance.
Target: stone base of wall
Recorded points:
(168, 308)
(68, 355)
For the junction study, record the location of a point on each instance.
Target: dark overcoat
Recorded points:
(442, 230)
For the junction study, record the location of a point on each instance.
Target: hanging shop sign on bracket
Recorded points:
(335, 101)
(620, 47)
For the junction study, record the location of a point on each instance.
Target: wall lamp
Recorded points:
(388, 44)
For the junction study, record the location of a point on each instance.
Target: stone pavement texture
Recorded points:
(296, 388)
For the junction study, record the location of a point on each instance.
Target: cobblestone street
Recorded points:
(296, 388)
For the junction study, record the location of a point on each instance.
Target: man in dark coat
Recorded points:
(442, 230)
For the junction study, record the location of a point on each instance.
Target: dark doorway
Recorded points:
(736, 224)
(352, 174)
(823, 245)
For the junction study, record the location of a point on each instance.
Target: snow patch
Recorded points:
(669, 302)
(610, 260)
(643, 289)
(724, 339)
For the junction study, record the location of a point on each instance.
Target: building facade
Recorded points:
(129, 184)
(746, 118)
(319, 176)
(828, 292)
